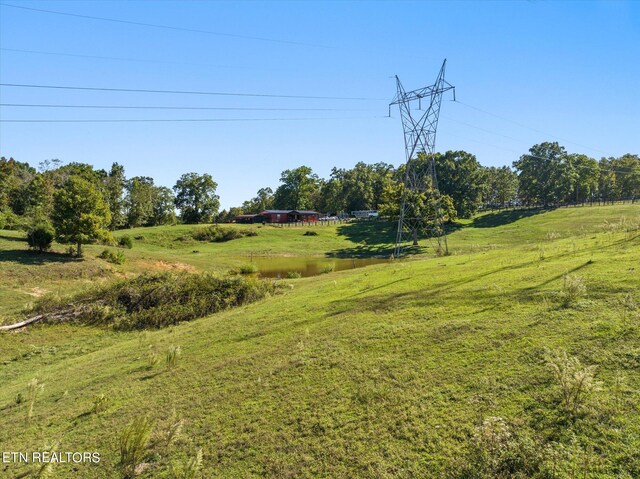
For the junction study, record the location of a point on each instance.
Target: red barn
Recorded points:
(289, 216)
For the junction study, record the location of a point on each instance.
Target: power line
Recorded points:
(527, 127)
(135, 120)
(166, 27)
(180, 92)
(142, 60)
(128, 107)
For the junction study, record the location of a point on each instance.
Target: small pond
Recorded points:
(279, 267)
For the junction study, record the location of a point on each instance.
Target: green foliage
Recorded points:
(248, 268)
(11, 221)
(125, 241)
(219, 234)
(80, 214)
(115, 257)
(40, 237)
(328, 268)
(114, 191)
(262, 201)
(500, 186)
(297, 189)
(139, 201)
(163, 299)
(310, 233)
(293, 275)
(196, 198)
(133, 442)
(460, 177)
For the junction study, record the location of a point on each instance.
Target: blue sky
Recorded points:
(525, 72)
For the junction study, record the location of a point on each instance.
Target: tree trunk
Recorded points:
(79, 251)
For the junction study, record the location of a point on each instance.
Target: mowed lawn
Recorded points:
(392, 370)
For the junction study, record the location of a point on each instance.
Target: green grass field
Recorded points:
(427, 367)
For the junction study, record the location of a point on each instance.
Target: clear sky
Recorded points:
(525, 72)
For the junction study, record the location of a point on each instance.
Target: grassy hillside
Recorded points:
(433, 367)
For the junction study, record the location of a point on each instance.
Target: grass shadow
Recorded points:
(372, 238)
(500, 218)
(28, 257)
(13, 238)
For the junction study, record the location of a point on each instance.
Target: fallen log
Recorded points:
(22, 324)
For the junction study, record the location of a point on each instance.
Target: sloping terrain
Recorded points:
(427, 367)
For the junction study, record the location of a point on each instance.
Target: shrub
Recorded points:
(218, 234)
(139, 238)
(11, 221)
(125, 242)
(161, 299)
(249, 268)
(117, 257)
(133, 444)
(293, 275)
(573, 288)
(40, 237)
(311, 233)
(328, 268)
(575, 381)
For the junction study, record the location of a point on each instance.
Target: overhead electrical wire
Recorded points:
(166, 27)
(524, 126)
(142, 120)
(129, 107)
(124, 59)
(181, 92)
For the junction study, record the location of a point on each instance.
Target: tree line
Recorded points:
(547, 175)
(78, 204)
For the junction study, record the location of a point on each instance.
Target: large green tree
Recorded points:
(500, 186)
(460, 176)
(196, 198)
(139, 201)
(546, 175)
(163, 211)
(80, 214)
(298, 189)
(115, 184)
(262, 201)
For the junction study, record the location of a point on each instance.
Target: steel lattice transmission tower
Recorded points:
(419, 140)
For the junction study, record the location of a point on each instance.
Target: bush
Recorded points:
(249, 268)
(576, 382)
(328, 268)
(219, 234)
(116, 257)
(162, 299)
(125, 242)
(40, 237)
(310, 233)
(573, 288)
(293, 275)
(11, 221)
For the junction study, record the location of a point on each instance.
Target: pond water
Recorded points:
(306, 266)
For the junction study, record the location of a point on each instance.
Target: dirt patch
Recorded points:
(36, 292)
(166, 266)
